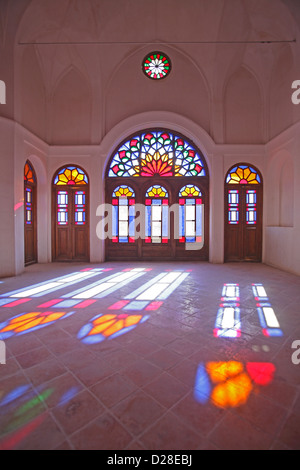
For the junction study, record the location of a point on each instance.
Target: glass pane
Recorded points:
(123, 229)
(123, 213)
(156, 229)
(156, 212)
(190, 229)
(190, 212)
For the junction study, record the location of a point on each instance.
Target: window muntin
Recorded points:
(190, 215)
(156, 153)
(123, 214)
(157, 215)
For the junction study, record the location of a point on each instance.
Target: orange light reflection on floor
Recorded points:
(229, 384)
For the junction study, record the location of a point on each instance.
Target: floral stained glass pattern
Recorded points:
(243, 174)
(156, 65)
(157, 153)
(70, 175)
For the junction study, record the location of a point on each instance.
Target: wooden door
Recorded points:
(70, 223)
(30, 238)
(243, 223)
(30, 215)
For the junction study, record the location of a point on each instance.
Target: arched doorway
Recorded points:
(243, 214)
(70, 214)
(30, 218)
(157, 187)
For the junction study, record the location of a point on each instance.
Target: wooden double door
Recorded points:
(243, 223)
(70, 215)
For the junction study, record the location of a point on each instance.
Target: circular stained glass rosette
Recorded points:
(156, 65)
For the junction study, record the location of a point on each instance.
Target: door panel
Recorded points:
(30, 226)
(70, 224)
(243, 223)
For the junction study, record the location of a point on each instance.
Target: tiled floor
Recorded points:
(166, 383)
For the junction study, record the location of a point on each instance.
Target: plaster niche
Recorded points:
(71, 110)
(242, 97)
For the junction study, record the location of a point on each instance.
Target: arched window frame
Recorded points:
(123, 214)
(245, 175)
(157, 214)
(190, 214)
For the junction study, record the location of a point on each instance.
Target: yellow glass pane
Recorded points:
(251, 177)
(240, 173)
(63, 178)
(247, 172)
(74, 174)
(68, 174)
(235, 177)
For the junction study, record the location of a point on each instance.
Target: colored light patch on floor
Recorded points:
(109, 326)
(12, 302)
(150, 296)
(28, 322)
(267, 317)
(229, 384)
(107, 286)
(47, 287)
(228, 323)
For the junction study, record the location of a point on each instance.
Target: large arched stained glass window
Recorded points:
(156, 153)
(123, 214)
(157, 215)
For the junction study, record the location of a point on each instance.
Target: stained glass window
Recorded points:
(156, 215)
(157, 153)
(156, 65)
(243, 174)
(29, 174)
(123, 214)
(70, 175)
(190, 214)
(233, 207)
(80, 207)
(28, 206)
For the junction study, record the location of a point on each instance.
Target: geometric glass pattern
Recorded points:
(70, 175)
(190, 214)
(233, 206)
(156, 65)
(29, 175)
(156, 215)
(123, 214)
(62, 208)
(80, 208)
(251, 197)
(156, 153)
(28, 206)
(243, 174)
